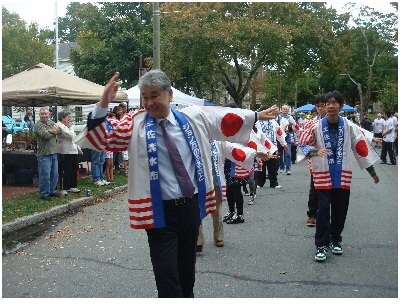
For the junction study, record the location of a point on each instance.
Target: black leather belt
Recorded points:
(178, 201)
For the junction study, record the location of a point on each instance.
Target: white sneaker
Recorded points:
(278, 187)
(288, 173)
(104, 182)
(74, 190)
(99, 183)
(63, 192)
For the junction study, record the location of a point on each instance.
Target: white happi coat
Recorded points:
(223, 124)
(356, 146)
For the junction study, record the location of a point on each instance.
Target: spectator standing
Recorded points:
(117, 111)
(332, 143)
(29, 120)
(68, 154)
(388, 139)
(97, 164)
(47, 154)
(395, 145)
(366, 122)
(378, 128)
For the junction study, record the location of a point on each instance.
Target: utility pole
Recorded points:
(156, 35)
(279, 87)
(56, 37)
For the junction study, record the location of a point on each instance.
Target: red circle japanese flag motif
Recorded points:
(362, 148)
(238, 154)
(231, 124)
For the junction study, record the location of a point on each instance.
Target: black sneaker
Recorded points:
(46, 198)
(336, 248)
(383, 162)
(228, 216)
(239, 219)
(321, 254)
(56, 194)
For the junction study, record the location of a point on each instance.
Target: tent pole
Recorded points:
(55, 118)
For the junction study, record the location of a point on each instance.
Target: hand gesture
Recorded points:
(53, 130)
(269, 113)
(110, 90)
(323, 152)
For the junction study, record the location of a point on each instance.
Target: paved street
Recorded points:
(94, 253)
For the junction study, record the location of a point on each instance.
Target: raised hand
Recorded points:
(110, 90)
(269, 113)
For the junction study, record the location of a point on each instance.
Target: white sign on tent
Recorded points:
(180, 99)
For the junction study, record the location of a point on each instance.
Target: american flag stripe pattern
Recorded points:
(141, 210)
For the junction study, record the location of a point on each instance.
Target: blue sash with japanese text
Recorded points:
(152, 155)
(334, 160)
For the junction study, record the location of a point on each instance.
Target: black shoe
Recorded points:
(391, 164)
(46, 198)
(56, 194)
(239, 219)
(228, 216)
(383, 162)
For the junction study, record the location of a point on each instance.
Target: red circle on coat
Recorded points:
(362, 148)
(238, 154)
(231, 124)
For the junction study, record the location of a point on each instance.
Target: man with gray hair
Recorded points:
(170, 179)
(47, 154)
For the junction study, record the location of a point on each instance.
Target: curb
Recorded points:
(30, 220)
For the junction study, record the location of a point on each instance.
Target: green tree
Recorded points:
(112, 36)
(228, 43)
(373, 57)
(22, 46)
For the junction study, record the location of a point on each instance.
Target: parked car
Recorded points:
(79, 126)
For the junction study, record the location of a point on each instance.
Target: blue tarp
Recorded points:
(209, 103)
(306, 108)
(347, 108)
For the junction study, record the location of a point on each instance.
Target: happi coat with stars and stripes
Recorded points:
(335, 171)
(129, 133)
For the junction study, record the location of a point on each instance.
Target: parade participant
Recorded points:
(285, 161)
(243, 156)
(312, 203)
(275, 134)
(47, 154)
(169, 204)
(332, 143)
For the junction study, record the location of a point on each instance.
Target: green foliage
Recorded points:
(111, 35)
(22, 45)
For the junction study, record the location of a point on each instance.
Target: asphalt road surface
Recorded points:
(95, 254)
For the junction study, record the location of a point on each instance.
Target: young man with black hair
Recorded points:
(332, 143)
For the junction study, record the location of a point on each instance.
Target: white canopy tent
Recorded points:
(180, 99)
